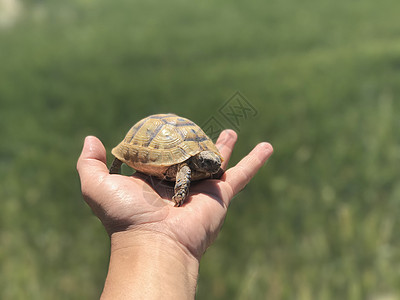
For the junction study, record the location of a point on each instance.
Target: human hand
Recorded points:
(155, 246)
(133, 203)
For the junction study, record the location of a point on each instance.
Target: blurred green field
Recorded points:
(319, 221)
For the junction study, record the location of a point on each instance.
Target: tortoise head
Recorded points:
(206, 161)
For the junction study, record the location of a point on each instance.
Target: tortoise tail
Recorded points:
(116, 166)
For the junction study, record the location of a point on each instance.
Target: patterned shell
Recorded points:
(162, 140)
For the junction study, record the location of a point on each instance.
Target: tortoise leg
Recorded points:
(182, 184)
(116, 166)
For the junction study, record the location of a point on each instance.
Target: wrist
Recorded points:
(149, 265)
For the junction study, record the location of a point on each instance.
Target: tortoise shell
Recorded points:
(159, 141)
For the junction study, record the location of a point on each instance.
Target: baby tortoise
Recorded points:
(170, 148)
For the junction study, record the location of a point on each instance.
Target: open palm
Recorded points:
(142, 203)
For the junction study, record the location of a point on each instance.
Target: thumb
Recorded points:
(92, 161)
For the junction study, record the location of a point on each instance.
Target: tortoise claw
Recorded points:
(178, 199)
(182, 184)
(181, 192)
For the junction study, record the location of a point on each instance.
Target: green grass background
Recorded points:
(319, 221)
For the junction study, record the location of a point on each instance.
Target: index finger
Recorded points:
(225, 144)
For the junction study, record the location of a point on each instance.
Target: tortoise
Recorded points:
(170, 148)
